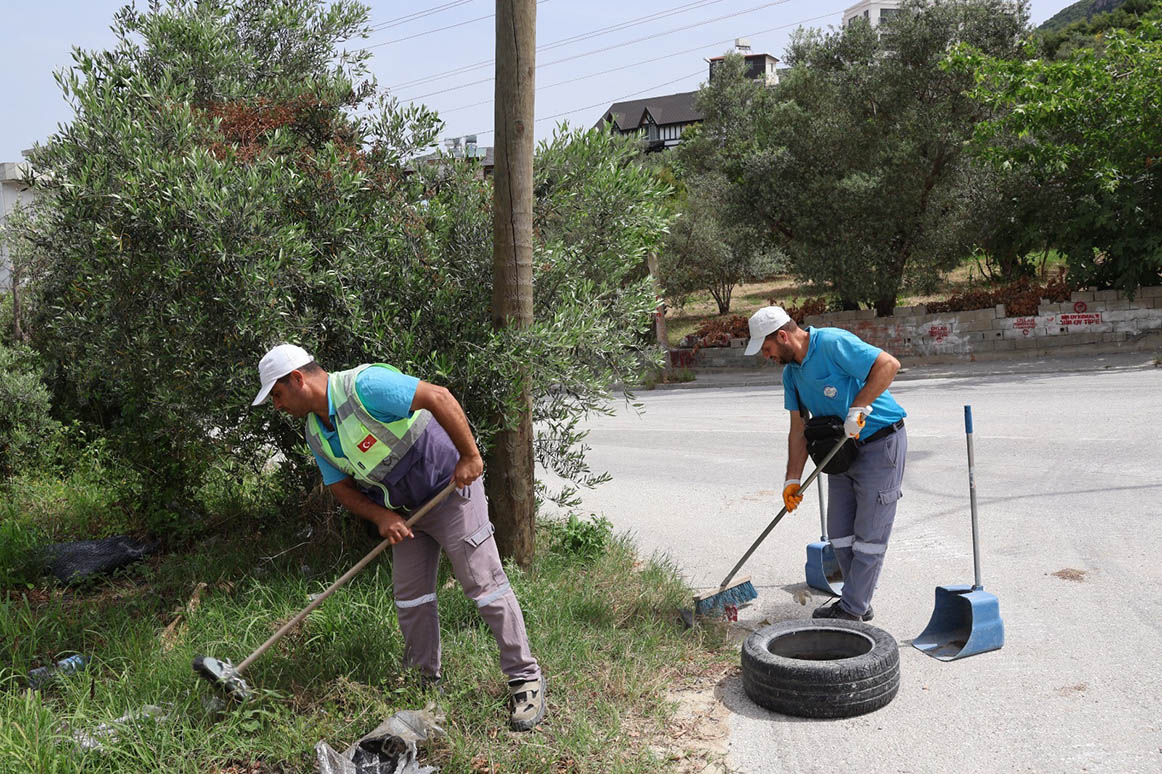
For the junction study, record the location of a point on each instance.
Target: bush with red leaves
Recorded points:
(1021, 298)
(812, 306)
(719, 331)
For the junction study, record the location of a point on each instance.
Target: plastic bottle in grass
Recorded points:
(37, 678)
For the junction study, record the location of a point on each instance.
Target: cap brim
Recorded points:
(263, 394)
(754, 345)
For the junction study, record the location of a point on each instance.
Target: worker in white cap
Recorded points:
(831, 372)
(386, 443)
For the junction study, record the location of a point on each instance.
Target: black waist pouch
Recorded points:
(822, 434)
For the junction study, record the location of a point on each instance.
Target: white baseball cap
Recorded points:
(763, 323)
(276, 364)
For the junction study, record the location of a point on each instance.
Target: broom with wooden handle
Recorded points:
(228, 678)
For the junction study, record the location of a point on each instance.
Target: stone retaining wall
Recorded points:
(1098, 320)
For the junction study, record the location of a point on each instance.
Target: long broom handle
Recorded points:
(346, 577)
(822, 515)
(783, 512)
(972, 499)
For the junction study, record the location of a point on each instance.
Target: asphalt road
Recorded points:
(1070, 504)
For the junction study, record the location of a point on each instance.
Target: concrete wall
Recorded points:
(12, 192)
(1093, 320)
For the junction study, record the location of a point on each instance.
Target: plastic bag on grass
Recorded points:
(110, 733)
(78, 560)
(389, 749)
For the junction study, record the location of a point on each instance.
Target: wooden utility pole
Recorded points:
(510, 479)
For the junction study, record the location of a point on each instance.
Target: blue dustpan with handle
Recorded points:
(966, 619)
(822, 568)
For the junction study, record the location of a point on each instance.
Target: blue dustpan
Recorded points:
(822, 568)
(966, 620)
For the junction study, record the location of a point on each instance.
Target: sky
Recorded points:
(439, 52)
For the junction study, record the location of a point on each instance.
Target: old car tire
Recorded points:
(821, 668)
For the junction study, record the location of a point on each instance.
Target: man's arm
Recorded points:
(390, 524)
(447, 411)
(796, 447)
(879, 377)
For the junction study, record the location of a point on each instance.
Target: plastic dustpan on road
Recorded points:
(966, 619)
(822, 567)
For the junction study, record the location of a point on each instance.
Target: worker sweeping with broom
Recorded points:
(842, 382)
(387, 442)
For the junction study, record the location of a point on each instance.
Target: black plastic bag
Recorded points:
(71, 562)
(822, 434)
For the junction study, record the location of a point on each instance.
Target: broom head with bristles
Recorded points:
(738, 593)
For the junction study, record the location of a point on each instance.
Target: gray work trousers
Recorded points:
(860, 513)
(461, 527)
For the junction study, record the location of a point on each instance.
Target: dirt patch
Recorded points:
(1071, 574)
(1070, 690)
(696, 739)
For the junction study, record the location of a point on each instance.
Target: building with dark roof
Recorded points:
(660, 121)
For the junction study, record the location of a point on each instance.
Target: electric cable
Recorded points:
(591, 34)
(417, 15)
(440, 29)
(622, 67)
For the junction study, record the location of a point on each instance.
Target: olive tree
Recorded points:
(233, 179)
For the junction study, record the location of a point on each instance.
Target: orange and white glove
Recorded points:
(791, 496)
(856, 419)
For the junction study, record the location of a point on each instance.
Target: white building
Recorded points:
(871, 11)
(13, 191)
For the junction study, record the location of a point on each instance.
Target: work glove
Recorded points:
(791, 496)
(856, 418)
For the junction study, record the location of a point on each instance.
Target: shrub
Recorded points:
(28, 433)
(20, 558)
(581, 539)
(719, 331)
(1021, 297)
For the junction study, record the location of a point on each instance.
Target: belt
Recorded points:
(880, 434)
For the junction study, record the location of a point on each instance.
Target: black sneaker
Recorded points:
(835, 611)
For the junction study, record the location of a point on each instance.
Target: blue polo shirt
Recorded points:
(833, 372)
(388, 397)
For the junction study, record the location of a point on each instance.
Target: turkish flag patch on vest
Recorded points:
(367, 443)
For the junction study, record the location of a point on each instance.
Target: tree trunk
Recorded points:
(660, 312)
(721, 296)
(510, 480)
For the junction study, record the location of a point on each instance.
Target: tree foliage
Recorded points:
(712, 246)
(1083, 24)
(1088, 125)
(850, 164)
(232, 180)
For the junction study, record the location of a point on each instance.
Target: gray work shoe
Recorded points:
(526, 703)
(835, 611)
(429, 684)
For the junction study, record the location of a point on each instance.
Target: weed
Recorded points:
(581, 539)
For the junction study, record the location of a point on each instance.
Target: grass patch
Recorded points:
(602, 622)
